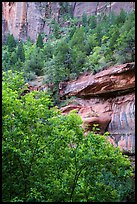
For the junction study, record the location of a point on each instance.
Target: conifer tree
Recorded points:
(11, 42)
(39, 42)
(20, 52)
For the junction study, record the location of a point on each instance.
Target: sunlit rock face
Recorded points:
(108, 99)
(27, 19)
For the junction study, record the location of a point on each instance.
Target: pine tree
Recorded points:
(121, 17)
(36, 62)
(92, 22)
(11, 42)
(84, 20)
(78, 39)
(39, 42)
(20, 52)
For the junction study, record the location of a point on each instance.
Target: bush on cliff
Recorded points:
(47, 158)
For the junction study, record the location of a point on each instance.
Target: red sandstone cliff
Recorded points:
(108, 99)
(27, 19)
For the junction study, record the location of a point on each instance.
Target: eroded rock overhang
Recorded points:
(108, 99)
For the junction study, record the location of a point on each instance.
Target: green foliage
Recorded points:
(91, 42)
(35, 63)
(10, 42)
(125, 45)
(78, 39)
(92, 22)
(48, 50)
(20, 52)
(39, 42)
(81, 44)
(84, 20)
(65, 10)
(121, 18)
(47, 158)
(92, 62)
(55, 29)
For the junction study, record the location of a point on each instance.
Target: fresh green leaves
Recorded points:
(47, 158)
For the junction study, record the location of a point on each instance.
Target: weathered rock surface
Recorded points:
(108, 99)
(116, 78)
(97, 7)
(27, 19)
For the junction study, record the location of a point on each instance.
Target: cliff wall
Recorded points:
(108, 99)
(27, 19)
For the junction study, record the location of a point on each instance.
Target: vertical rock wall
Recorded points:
(27, 19)
(122, 125)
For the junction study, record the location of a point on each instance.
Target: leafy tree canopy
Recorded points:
(47, 158)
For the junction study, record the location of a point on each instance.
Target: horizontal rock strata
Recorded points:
(108, 99)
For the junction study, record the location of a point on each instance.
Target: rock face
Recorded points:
(108, 99)
(116, 78)
(27, 19)
(97, 7)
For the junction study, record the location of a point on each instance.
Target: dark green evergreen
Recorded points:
(10, 42)
(39, 42)
(20, 52)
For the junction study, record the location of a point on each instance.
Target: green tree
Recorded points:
(20, 52)
(11, 42)
(84, 20)
(39, 42)
(65, 10)
(125, 43)
(47, 158)
(112, 17)
(91, 42)
(55, 29)
(92, 22)
(121, 17)
(35, 63)
(78, 39)
(114, 35)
